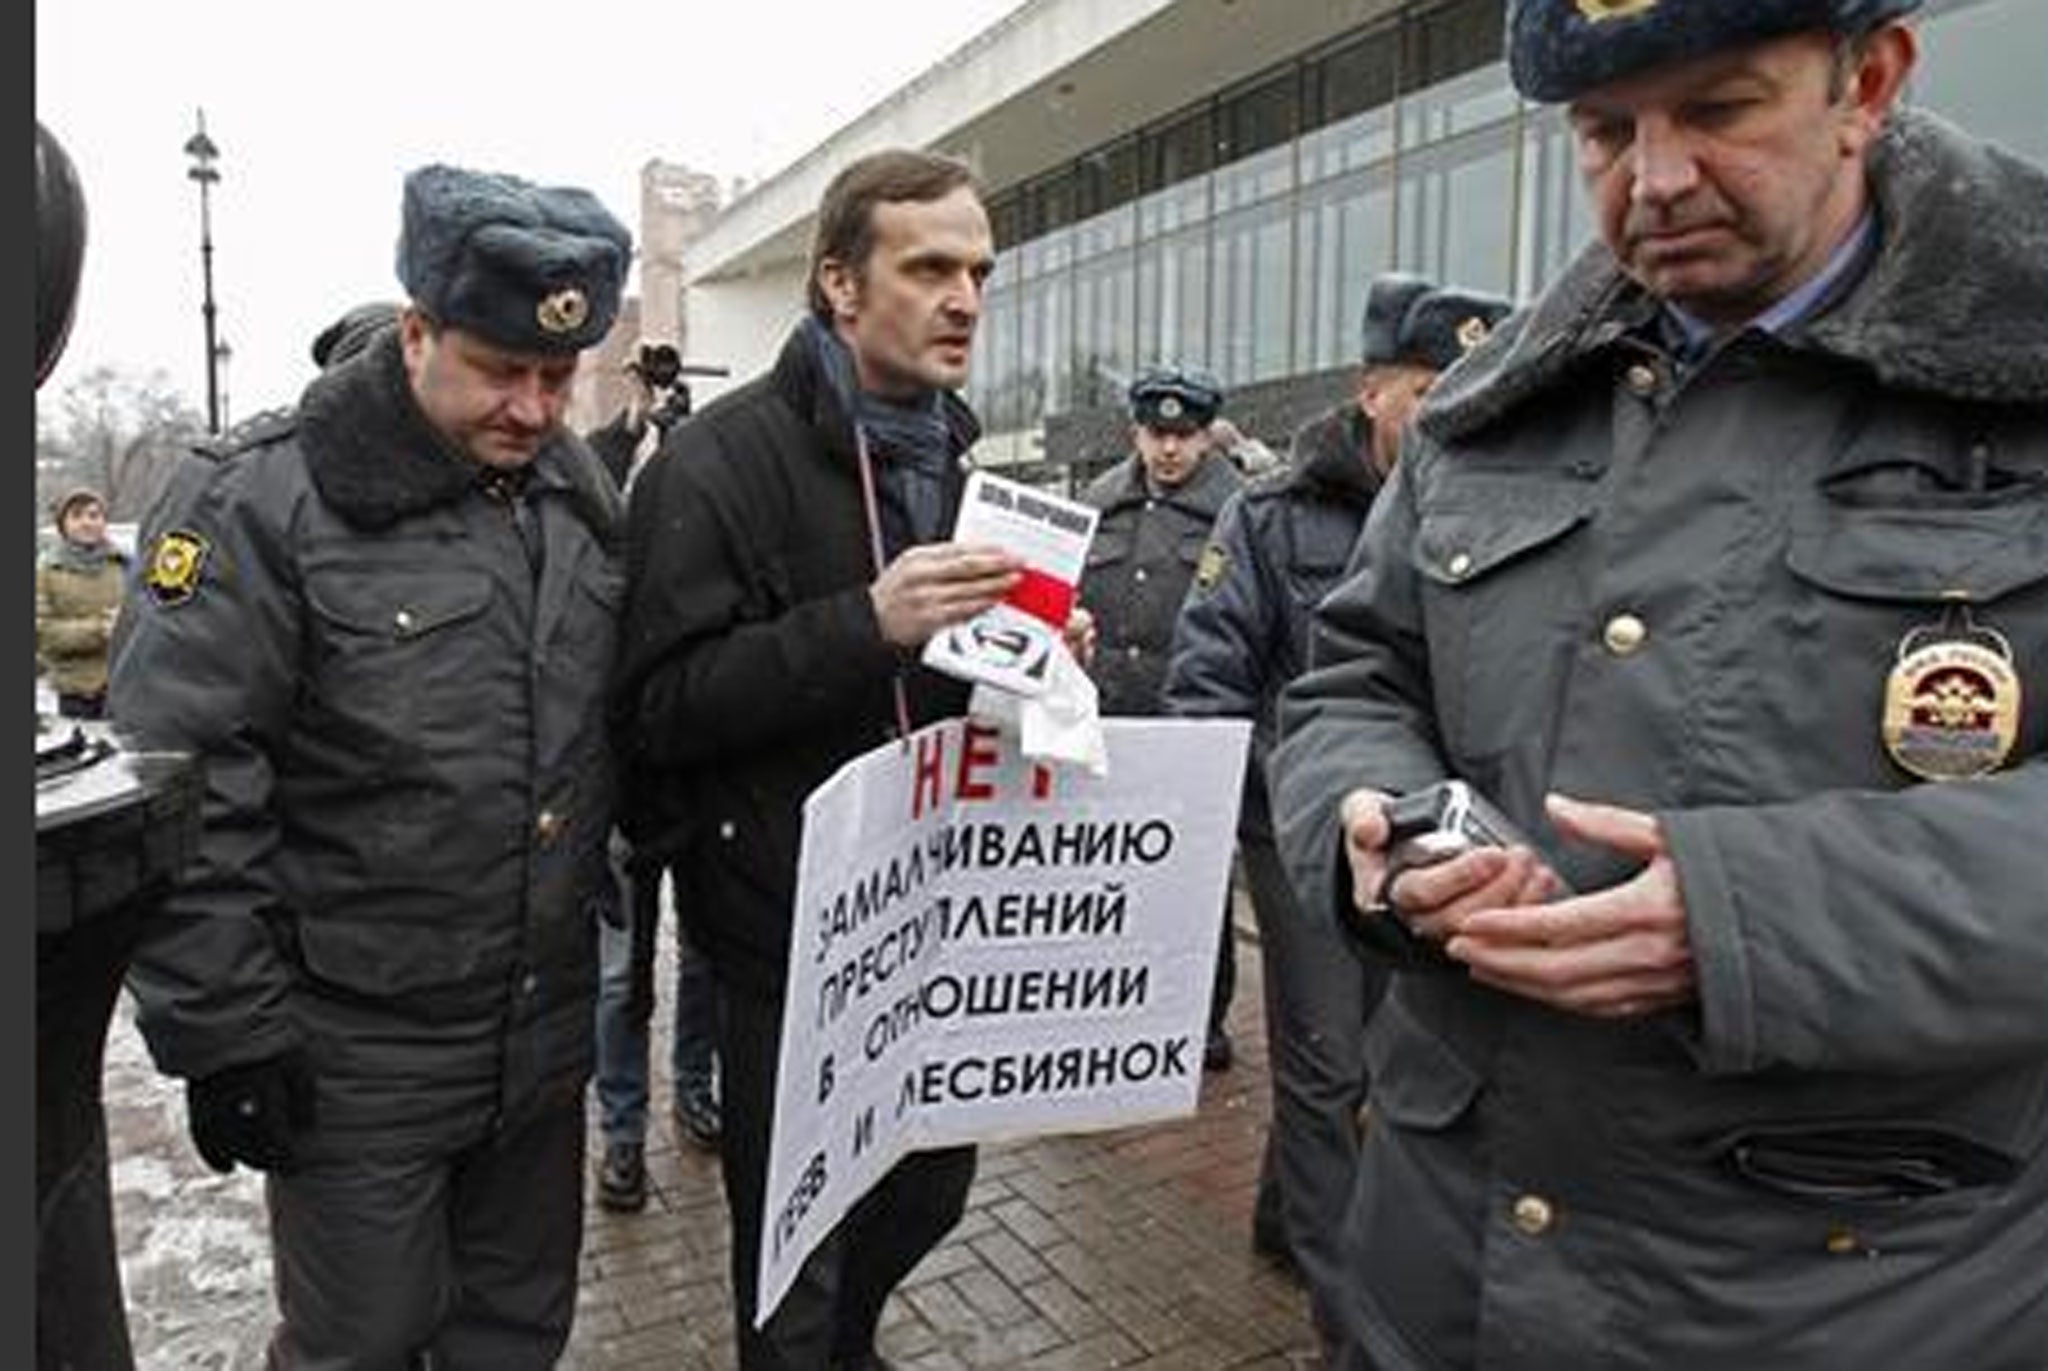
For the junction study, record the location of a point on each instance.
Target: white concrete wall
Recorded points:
(740, 323)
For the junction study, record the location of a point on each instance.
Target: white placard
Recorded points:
(988, 948)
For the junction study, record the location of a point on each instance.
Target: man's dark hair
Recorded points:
(846, 214)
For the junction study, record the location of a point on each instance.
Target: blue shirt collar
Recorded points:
(1848, 257)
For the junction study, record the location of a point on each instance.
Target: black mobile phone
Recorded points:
(1425, 826)
(1440, 821)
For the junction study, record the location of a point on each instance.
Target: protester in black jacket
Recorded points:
(786, 560)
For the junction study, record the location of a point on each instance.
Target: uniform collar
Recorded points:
(1693, 337)
(376, 459)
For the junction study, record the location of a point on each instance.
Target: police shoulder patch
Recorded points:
(176, 559)
(1209, 568)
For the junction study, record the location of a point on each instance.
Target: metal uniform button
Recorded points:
(727, 831)
(1460, 565)
(1134, 652)
(403, 621)
(530, 984)
(1842, 1242)
(1624, 634)
(1533, 1215)
(1642, 378)
(1139, 575)
(547, 825)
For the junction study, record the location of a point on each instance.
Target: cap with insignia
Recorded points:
(1410, 320)
(1175, 399)
(1559, 49)
(527, 267)
(1446, 324)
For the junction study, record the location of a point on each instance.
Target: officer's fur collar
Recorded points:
(1329, 454)
(1955, 305)
(377, 461)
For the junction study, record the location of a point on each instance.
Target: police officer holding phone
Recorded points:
(1722, 570)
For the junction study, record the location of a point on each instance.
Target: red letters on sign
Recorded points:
(929, 771)
(977, 752)
(980, 754)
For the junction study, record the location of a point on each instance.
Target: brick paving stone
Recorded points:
(1009, 1258)
(1027, 1223)
(992, 1296)
(1066, 1308)
(1126, 1249)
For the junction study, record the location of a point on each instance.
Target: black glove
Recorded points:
(249, 1113)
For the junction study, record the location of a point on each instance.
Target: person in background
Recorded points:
(1277, 548)
(1157, 505)
(626, 947)
(1412, 329)
(1720, 570)
(384, 621)
(79, 582)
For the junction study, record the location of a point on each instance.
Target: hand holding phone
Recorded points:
(1425, 827)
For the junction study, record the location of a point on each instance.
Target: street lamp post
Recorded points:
(204, 154)
(222, 355)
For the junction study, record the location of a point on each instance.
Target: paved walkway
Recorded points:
(1124, 1249)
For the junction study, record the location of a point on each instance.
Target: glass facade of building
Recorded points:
(1238, 234)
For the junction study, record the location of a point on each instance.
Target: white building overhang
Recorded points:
(1043, 85)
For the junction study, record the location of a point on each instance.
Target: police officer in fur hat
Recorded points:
(1720, 569)
(1412, 330)
(1157, 505)
(1277, 548)
(384, 618)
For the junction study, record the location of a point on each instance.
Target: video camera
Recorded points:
(659, 365)
(664, 369)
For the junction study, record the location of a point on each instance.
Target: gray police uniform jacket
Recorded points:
(1139, 566)
(407, 786)
(1278, 546)
(1685, 597)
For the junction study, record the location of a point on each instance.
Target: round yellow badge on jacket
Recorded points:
(175, 561)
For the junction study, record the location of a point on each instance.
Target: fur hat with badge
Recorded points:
(527, 267)
(1175, 399)
(1410, 320)
(1559, 49)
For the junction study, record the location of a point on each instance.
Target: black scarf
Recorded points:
(910, 440)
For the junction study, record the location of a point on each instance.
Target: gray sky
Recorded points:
(319, 110)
